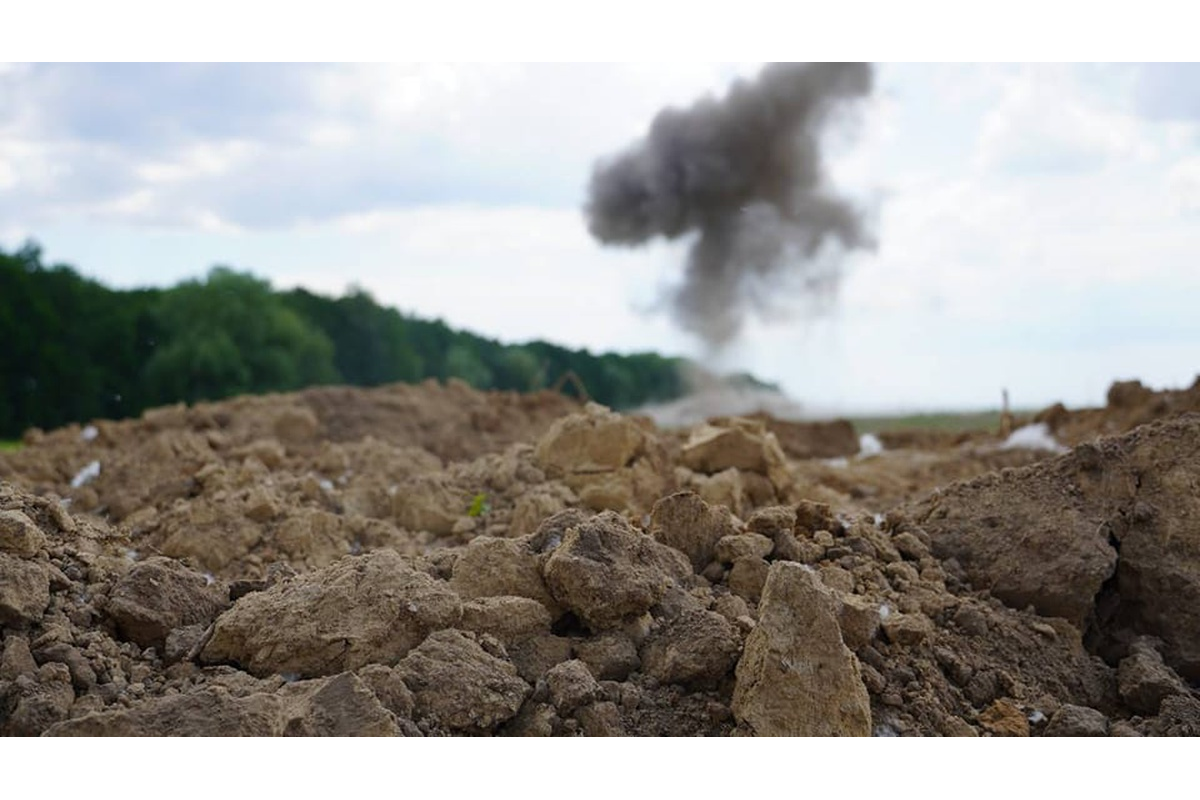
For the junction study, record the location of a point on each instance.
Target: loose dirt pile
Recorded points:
(433, 560)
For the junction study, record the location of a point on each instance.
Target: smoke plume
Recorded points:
(744, 173)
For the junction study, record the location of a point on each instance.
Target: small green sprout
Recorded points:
(479, 506)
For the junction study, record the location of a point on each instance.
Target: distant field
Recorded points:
(954, 422)
(6, 445)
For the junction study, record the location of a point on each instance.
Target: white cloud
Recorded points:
(202, 159)
(1045, 122)
(31, 171)
(1184, 183)
(275, 146)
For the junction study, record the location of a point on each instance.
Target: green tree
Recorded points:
(371, 343)
(231, 334)
(463, 362)
(72, 349)
(69, 344)
(519, 370)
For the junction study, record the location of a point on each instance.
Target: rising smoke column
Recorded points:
(744, 173)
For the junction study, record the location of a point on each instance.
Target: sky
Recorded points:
(1036, 226)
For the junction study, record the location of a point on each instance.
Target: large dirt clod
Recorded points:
(361, 610)
(607, 573)
(159, 595)
(796, 676)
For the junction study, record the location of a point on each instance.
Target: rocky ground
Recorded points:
(431, 560)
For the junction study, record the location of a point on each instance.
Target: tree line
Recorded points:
(72, 349)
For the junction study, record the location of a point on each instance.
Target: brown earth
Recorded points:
(431, 560)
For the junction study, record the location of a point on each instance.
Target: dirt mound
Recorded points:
(1128, 405)
(1103, 536)
(820, 439)
(432, 560)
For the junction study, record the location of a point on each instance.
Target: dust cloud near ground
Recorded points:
(432, 560)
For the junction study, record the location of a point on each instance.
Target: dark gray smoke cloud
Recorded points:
(745, 174)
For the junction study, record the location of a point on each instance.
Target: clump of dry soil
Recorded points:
(437, 561)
